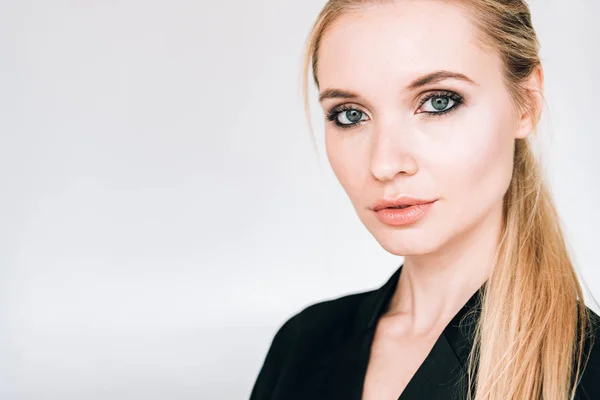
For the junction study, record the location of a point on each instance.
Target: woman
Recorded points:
(429, 109)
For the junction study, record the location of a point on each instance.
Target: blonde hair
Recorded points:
(529, 339)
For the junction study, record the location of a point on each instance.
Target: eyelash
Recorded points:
(458, 100)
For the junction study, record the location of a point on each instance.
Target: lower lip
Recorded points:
(403, 216)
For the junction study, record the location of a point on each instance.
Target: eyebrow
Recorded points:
(430, 78)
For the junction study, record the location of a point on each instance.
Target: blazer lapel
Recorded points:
(349, 363)
(439, 375)
(443, 373)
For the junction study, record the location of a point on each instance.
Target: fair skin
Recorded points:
(462, 159)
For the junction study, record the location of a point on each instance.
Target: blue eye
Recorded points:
(346, 117)
(441, 102)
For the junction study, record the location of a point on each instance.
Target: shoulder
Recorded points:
(589, 386)
(319, 318)
(311, 331)
(331, 313)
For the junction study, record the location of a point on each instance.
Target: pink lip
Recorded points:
(403, 216)
(399, 201)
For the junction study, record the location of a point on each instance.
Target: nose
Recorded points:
(392, 152)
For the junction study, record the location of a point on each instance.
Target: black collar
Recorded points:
(459, 331)
(341, 367)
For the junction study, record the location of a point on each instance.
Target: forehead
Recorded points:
(391, 44)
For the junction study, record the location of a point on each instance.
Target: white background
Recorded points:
(162, 209)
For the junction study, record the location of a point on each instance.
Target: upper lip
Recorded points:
(399, 201)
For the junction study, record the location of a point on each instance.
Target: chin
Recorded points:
(406, 242)
(422, 237)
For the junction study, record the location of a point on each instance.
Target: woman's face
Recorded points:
(455, 147)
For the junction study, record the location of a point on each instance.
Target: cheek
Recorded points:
(348, 159)
(478, 165)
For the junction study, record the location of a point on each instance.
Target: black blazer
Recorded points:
(323, 351)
